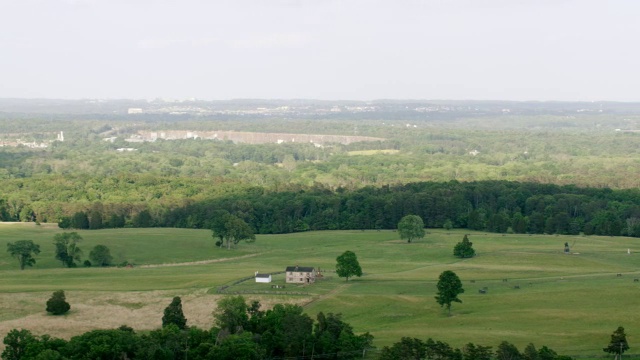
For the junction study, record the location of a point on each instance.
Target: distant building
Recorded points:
(300, 275)
(134, 111)
(263, 278)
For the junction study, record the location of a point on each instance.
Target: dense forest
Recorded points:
(537, 168)
(490, 206)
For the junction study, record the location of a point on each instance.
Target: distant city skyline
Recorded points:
(519, 50)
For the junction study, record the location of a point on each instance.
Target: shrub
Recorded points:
(57, 304)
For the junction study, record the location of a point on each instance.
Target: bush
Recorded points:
(57, 304)
(173, 314)
(87, 263)
(464, 248)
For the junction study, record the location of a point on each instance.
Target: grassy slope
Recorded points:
(571, 303)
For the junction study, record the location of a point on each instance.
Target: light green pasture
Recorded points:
(570, 303)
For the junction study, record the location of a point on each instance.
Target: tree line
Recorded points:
(494, 206)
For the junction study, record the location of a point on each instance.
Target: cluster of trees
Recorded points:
(66, 251)
(416, 349)
(242, 331)
(494, 206)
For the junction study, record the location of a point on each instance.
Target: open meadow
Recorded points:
(535, 292)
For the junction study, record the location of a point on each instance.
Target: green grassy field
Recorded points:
(570, 303)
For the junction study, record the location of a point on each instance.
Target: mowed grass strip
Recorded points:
(535, 292)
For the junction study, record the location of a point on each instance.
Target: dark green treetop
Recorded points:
(464, 248)
(57, 304)
(173, 314)
(347, 265)
(618, 344)
(23, 250)
(449, 287)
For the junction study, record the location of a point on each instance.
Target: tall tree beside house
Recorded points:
(464, 248)
(23, 250)
(67, 250)
(173, 314)
(449, 287)
(411, 227)
(348, 266)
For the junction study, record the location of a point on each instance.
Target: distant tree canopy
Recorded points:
(486, 206)
(464, 174)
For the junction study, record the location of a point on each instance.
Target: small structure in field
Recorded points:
(300, 275)
(263, 278)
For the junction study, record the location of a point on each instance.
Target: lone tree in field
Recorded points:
(57, 304)
(618, 344)
(101, 256)
(411, 227)
(449, 287)
(67, 250)
(464, 248)
(173, 314)
(232, 229)
(23, 250)
(348, 265)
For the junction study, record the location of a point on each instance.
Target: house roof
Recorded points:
(263, 275)
(300, 268)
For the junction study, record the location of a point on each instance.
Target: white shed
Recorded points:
(263, 278)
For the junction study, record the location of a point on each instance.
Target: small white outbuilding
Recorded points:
(263, 278)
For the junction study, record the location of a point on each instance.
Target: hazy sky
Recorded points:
(321, 49)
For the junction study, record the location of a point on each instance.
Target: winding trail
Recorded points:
(331, 293)
(201, 262)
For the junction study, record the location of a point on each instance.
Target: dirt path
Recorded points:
(333, 292)
(201, 262)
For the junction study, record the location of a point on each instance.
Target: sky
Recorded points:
(564, 50)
